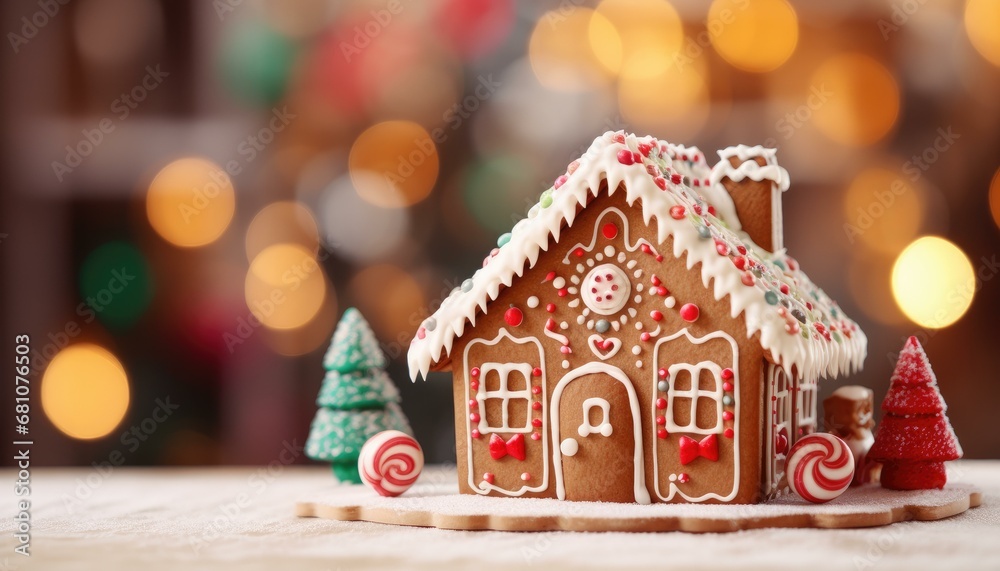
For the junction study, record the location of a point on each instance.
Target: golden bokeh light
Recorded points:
(85, 391)
(311, 336)
(867, 276)
(933, 282)
(755, 36)
(650, 35)
(404, 159)
(864, 99)
(676, 101)
(995, 197)
(190, 202)
(883, 210)
(286, 221)
(982, 23)
(561, 54)
(285, 286)
(391, 299)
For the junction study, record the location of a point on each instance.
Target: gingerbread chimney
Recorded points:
(755, 182)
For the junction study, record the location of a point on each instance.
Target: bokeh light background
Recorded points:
(193, 191)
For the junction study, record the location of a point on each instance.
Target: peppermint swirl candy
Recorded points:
(390, 462)
(820, 467)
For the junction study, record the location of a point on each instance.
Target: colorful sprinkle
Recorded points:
(513, 316)
(690, 312)
(609, 230)
(546, 199)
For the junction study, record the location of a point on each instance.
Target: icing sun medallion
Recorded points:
(606, 289)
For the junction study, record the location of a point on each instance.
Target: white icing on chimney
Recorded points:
(749, 168)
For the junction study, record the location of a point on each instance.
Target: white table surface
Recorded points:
(241, 518)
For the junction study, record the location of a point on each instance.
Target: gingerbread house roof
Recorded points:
(797, 323)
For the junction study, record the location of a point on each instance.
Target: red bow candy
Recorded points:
(691, 449)
(513, 447)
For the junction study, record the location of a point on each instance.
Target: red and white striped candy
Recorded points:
(390, 462)
(820, 467)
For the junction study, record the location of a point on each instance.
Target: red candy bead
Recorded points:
(656, 315)
(536, 390)
(784, 289)
(677, 212)
(474, 372)
(625, 157)
(690, 312)
(473, 403)
(644, 148)
(618, 137)
(609, 230)
(663, 373)
(675, 178)
(661, 403)
(742, 250)
(513, 317)
(747, 279)
(661, 420)
(728, 433)
(488, 478)
(683, 478)
(726, 415)
(727, 374)
(475, 433)
(536, 372)
(722, 248)
(536, 405)
(661, 182)
(645, 336)
(727, 386)
(550, 307)
(560, 181)
(661, 433)
(740, 262)
(536, 436)
(474, 385)
(536, 422)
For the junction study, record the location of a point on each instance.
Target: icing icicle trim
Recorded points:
(797, 323)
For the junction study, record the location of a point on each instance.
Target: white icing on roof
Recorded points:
(803, 328)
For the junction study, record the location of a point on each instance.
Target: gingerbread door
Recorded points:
(597, 437)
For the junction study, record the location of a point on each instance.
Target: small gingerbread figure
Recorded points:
(848, 413)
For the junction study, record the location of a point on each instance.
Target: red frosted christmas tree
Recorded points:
(914, 439)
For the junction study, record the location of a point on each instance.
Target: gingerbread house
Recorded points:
(642, 336)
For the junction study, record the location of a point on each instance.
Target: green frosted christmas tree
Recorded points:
(357, 400)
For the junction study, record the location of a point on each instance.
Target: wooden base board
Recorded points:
(438, 505)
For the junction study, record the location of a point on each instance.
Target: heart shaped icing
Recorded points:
(604, 347)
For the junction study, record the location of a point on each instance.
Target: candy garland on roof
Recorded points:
(819, 355)
(777, 275)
